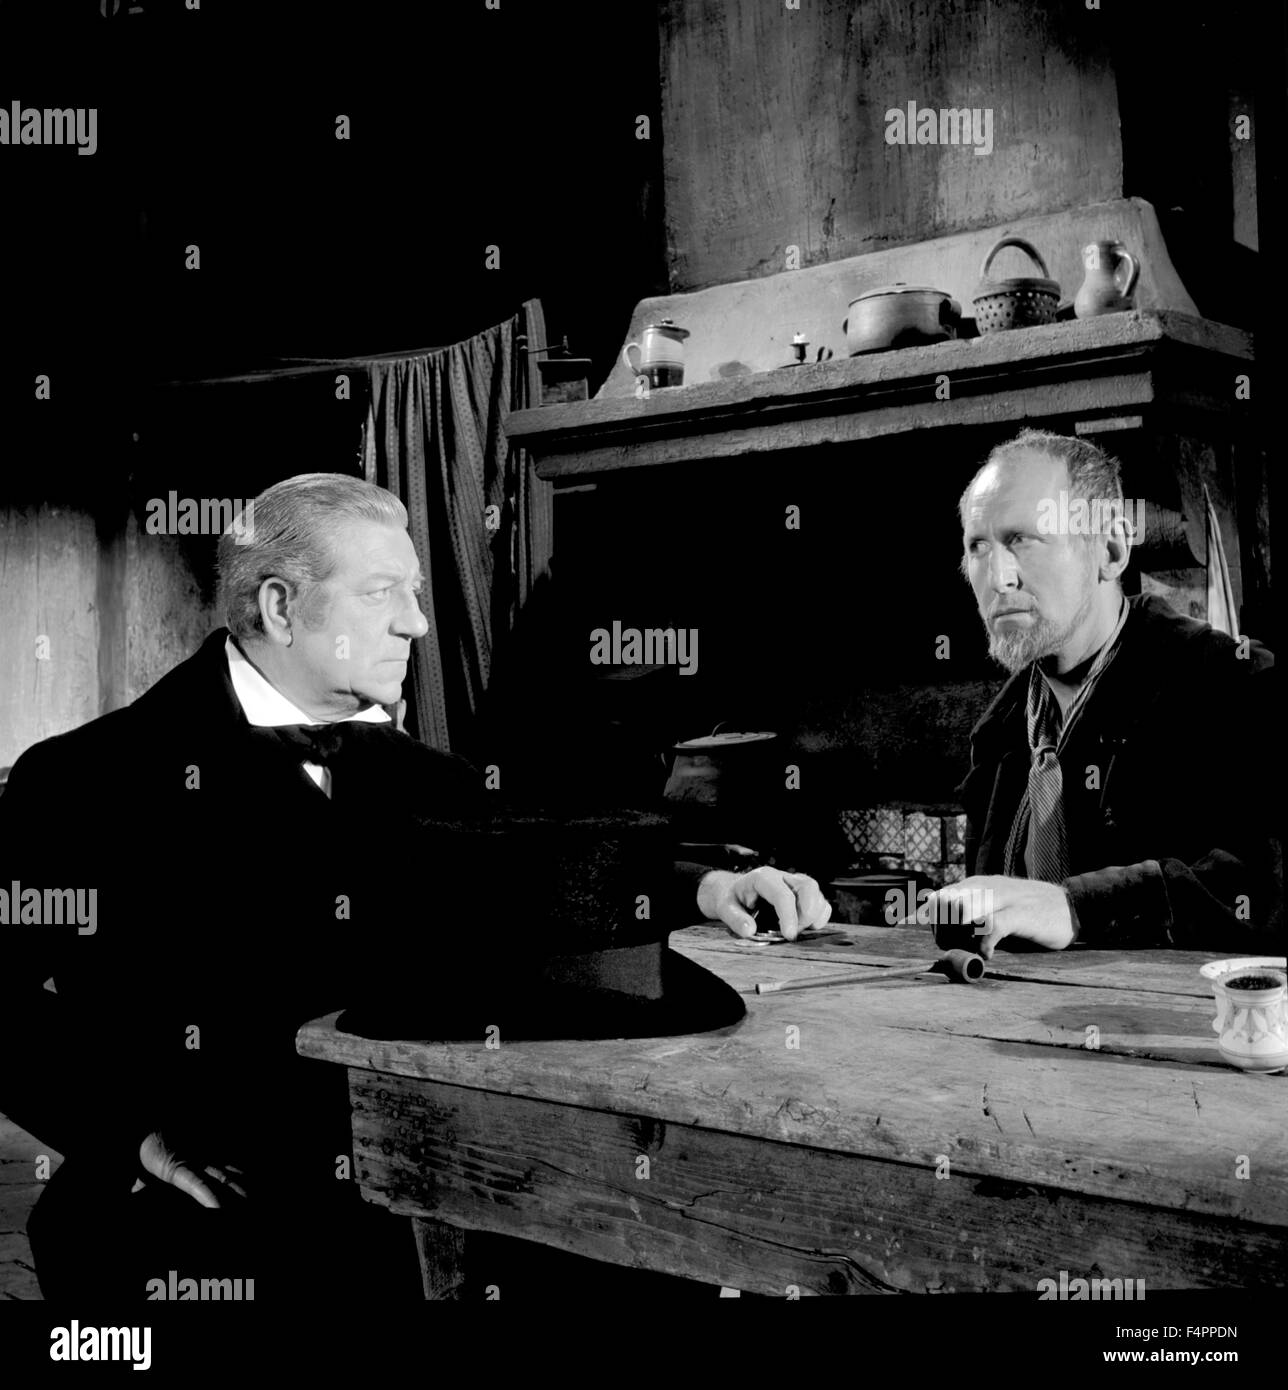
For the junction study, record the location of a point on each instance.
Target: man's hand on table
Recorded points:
(731, 898)
(1023, 907)
(158, 1159)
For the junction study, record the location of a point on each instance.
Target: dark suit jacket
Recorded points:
(1170, 833)
(219, 869)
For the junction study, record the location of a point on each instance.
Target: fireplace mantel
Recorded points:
(1130, 365)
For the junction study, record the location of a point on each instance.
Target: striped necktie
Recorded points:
(1046, 850)
(1039, 823)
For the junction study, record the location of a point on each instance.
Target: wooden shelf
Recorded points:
(1121, 363)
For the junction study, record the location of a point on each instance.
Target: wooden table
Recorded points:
(1068, 1113)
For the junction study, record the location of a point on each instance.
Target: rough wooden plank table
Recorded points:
(1068, 1113)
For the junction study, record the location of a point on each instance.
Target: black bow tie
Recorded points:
(316, 743)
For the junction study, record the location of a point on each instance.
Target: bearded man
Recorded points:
(1112, 796)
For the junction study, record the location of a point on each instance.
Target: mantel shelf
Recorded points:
(1086, 368)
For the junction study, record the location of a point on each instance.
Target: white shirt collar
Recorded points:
(265, 706)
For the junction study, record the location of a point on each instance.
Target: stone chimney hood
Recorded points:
(741, 397)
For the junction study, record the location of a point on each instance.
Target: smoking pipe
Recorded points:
(963, 967)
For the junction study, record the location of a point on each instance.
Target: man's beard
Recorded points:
(1015, 647)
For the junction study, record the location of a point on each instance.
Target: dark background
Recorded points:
(217, 127)
(469, 128)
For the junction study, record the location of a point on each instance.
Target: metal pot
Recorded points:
(862, 899)
(723, 789)
(900, 315)
(716, 768)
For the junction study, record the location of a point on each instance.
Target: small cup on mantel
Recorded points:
(1251, 1011)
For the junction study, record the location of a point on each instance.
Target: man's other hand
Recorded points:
(1025, 907)
(730, 898)
(159, 1160)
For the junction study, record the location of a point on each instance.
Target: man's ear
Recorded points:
(274, 606)
(1117, 547)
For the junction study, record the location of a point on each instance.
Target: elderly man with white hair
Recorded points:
(254, 827)
(247, 824)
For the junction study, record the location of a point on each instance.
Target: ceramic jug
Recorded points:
(1102, 292)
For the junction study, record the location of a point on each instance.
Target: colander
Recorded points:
(1023, 302)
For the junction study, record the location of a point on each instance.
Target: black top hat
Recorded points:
(556, 927)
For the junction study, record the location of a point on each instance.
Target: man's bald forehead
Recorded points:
(1017, 466)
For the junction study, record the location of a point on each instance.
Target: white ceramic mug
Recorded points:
(1251, 1024)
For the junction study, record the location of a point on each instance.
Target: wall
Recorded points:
(48, 590)
(774, 125)
(119, 608)
(169, 606)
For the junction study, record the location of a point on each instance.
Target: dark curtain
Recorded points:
(435, 438)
